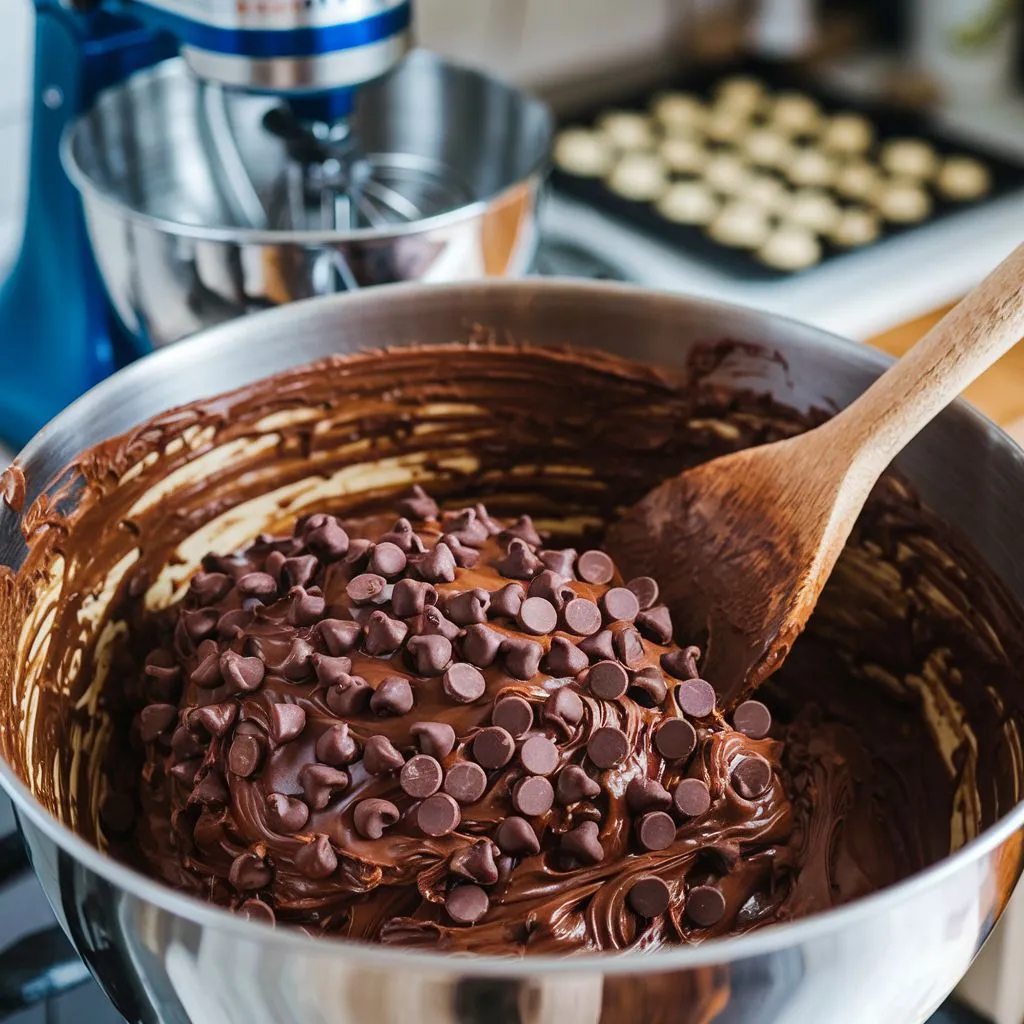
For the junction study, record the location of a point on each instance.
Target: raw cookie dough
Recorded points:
(857, 180)
(740, 224)
(790, 247)
(963, 178)
(903, 202)
(813, 209)
(856, 226)
(586, 153)
(688, 202)
(767, 148)
(910, 158)
(726, 173)
(679, 110)
(639, 176)
(810, 166)
(725, 125)
(795, 114)
(627, 129)
(742, 93)
(848, 134)
(767, 192)
(683, 155)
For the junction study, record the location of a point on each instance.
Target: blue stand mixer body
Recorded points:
(58, 335)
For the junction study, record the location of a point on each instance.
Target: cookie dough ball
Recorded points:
(683, 155)
(741, 225)
(688, 202)
(910, 158)
(813, 209)
(679, 111)
(963, 178)
(584, 153)
(903, 201)
(639, 176)
(726, 173)
(764, 147)
(857, 180)
(741, 93)
(810, 166)
(627, 129)
(856, 226)
(790, 247)
(793, 113)
(848, 134)
(725, 125)
(767, 192)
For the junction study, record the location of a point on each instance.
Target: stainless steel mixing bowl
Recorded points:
(886, 959)
(189, 199)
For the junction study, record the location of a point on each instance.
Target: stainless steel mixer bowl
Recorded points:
(177, 178)
(887, 959)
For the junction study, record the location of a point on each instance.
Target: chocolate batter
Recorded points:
(270, 734)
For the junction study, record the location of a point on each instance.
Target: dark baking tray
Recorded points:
(1007, 174)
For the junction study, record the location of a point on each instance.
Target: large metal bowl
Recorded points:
(176, 177)
(892, 957)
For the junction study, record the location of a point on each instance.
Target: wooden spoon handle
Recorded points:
(957, 350)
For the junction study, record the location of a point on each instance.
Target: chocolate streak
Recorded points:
(900, 697)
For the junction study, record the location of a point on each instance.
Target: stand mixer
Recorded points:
(275, 159)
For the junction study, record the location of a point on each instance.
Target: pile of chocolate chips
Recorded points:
(450, 691)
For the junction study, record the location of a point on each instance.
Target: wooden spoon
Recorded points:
(743, 545)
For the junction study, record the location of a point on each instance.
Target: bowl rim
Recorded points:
(802, 932)
(173, 67)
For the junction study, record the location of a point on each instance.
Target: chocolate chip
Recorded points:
(608, 680)
(506, 601)
(411, 597)
(564, 658)
(516, 836)
(599, 647)
(692, 797)
(232, 624)
(274, 564)
(438, 815)
(358, 557)
(372, 817)
(648, 896)
(656, 831)
(403, 536)
(646, 591)
(434, 738)
(620, 605)
(675, 739)
(208, 587)
(365, 587)
(522, 657)
(297, 664)
(185, 771)
(155, 720)
(696, 697)
(656, 624)
(339, 635)
(185, 743)
(595, 567)
(117, 813)
(552, 588)
(384, 635)
(257, 584)
(256, 910)
(304, 608)
(581, 617)
(523, 529)
(539, 756)
(350, 696)
(433, 623)
(463, 683)
(250, 871)
(629, 648)
(417, 504)
(336, 747)
(563, 708)
(537, 616)
(387, 560)
(244, 755)
(286, 721)
(200, 624)
(681, 664)
(560, 561)
(299, 571)
(513, 714)
(574, 784)
(520, 563)
(644, 794)
(466, 904)
(465, 527)
(216, 719)
(285, 814)
(438, 564)
(607, 747)
(469, 607)
(321, 783)
(430, 654)
(206, 674)
(752, 719)
(465, 781)
(705, 905)
(380, 756)
(475, 862)
(493, 747)
(465, 556)
(533, 796)
(752, 776)
(328, 542)
(331, 671)
(393, 696)
(583, 844)
(160, 665)
(480, 645)
(648, 688)
(316, 860)
(421, 776)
